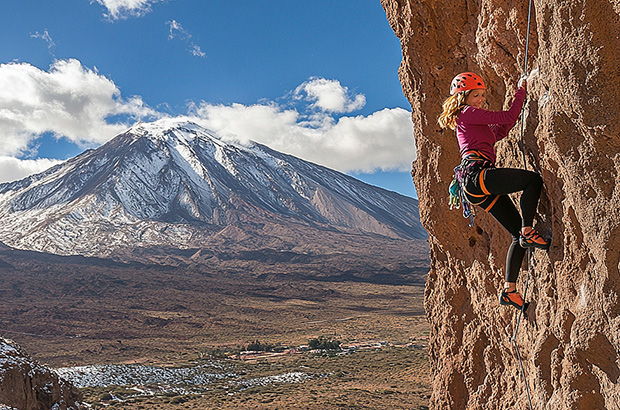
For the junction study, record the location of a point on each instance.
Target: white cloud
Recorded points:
(77, 103)
(122, 9)
(177, 31)
(380, 141)
(196, 51)
(69, 101)
(13, 169)
(330, 95)
(316, 129)
(45, 37)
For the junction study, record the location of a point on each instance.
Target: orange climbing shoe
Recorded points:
(532, 239)
(512, 298)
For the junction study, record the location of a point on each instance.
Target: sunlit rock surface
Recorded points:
(571, 340)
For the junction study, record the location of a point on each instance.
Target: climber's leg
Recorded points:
(500, 181)
(507, 215)
(506, 180)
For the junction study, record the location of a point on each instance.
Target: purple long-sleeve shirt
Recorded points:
(478, 129)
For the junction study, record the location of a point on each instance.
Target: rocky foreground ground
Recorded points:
(391, 377)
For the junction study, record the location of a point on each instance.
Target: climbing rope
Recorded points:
(527, 37)
(529, 252)
(524, 74)
(516, 331)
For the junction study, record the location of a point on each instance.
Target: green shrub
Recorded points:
(323, 343)
(264, 347)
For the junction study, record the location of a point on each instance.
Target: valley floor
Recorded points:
(83, 312)
(388, 378)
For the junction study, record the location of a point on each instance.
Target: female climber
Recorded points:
(484, 185)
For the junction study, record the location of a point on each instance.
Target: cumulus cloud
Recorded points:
(122, 9)
(77, 103)
(69, 101)
(13, 169)
(380, 141)
(330, 95)
(177, 31)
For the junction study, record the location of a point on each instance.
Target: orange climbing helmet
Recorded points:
(465, 82)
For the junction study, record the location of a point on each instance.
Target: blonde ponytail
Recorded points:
(452, 106)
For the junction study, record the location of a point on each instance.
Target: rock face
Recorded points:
(27, 385)
(571, 339)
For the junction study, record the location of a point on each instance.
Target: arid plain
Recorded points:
(175, 308)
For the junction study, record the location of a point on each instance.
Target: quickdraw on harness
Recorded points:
(472, 162)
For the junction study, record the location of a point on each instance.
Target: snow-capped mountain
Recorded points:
(173, 183)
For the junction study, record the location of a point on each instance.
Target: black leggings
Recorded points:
(492, 189)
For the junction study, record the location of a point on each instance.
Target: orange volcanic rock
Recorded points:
(571, 339)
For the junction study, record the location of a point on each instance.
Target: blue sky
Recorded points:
(317, 79)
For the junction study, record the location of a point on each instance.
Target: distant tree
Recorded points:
(322, 343)
(258, 346)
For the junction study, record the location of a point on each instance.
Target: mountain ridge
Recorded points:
(173, 182)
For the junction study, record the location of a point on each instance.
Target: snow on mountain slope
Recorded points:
(173, 183)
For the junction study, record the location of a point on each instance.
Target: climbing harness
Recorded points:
(458, 197)
(457, 194)
(472, 165)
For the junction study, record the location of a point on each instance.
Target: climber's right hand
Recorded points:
(523, 82)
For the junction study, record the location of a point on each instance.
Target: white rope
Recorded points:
(514, 335)
(527, 37)
(529, 252)
(527, 49)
